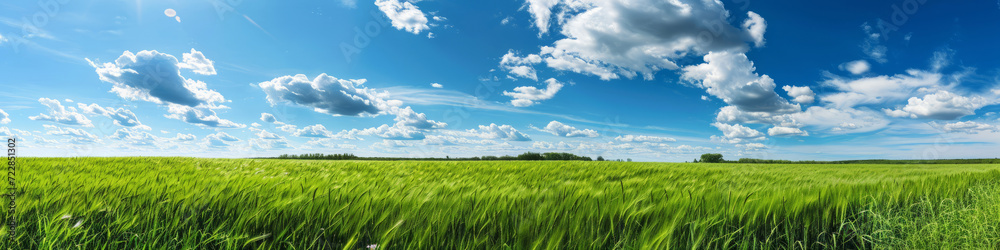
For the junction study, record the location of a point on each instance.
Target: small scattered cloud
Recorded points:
(737, 134)
(267, 117)
(752, 146)
(520, 66)
(856, 67)
(731, 77)
(878, 89)
(563, 130)
(263, 134)
(201, 117)
(803, 95)
(185, 137)
(408, 117)
(615, 39)
(437, 85)
(196, 62)
(872, 45)
(136, 137)
(316, 131)
(77, 135)
(326, 94)
(970, 127)
(155, 77)
(786, 131)
(525, 96)
(60, 114)
(220, 140)
(755, 26)
(171, 13)
(349, 3)
(121, 116)
(494, 131)
(942, 105)
(395, 132)
(941, 59)
(4, 117)
(389, 144)
(404, 15)
(643, 138)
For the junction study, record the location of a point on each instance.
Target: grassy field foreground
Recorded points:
(188, 203)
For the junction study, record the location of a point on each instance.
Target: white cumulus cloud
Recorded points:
(615, 38)
(970, 127)
(121, 116)
(856, 67)
(404, 15)
(736, 133)
(61, 114)
(520, 66)
(200, 116)
(755, 25)
(4, 117)
(267, 117)
(560, 129)
(643, 138)
(220, 140)
(326, 94)
(494, 131)
(802, 95)
(525, 96)
(942, 105)
(786, 131)
(155, 77)
(878, 89)
(407, 117)
(196, 62)
(731, 77)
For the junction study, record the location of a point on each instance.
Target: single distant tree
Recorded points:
(600, 158)
(629, 159)
(712, 158)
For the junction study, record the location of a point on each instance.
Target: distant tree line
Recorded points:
(717, 158)
(528, 156)
(318, 156)
(879, 161)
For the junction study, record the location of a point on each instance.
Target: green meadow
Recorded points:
(191, 203)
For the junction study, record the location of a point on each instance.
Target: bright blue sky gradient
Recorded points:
(620, 79)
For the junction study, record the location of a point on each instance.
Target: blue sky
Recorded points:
(647, 80)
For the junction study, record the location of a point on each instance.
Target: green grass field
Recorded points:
(188, 203)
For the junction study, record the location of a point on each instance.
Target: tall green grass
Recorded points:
(187, 203)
